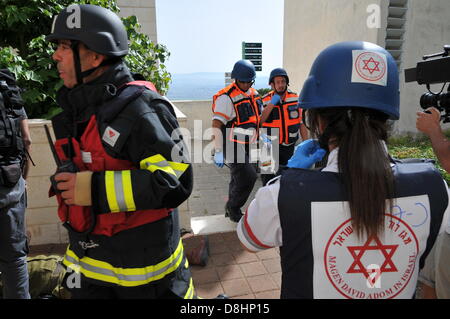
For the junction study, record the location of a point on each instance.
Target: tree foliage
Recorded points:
(23, 49)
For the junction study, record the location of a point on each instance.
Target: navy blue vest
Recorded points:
(299, 188)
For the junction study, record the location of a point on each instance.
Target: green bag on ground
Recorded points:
(46, 275)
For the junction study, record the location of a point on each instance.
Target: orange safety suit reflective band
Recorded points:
(286, 117)
(244, 127)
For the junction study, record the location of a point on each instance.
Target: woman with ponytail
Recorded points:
(362, 226)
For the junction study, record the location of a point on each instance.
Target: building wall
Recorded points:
(427, 31)
(311, 26)
(145, 11)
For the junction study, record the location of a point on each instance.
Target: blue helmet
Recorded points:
(353, 74)
(278, 72)
(244, 71)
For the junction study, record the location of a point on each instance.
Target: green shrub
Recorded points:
(23, 49)
(264, 91)
(409, 146)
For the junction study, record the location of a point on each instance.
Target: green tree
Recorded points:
(23, 49)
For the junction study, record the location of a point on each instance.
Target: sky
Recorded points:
(206, 35)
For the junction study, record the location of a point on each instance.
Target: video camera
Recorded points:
(433, 71)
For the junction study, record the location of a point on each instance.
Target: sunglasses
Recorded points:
(249, 82)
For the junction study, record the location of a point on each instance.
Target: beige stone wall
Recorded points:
(427, 30)
(145, 11)
(198, 117)
(43, 224)
(41, 216)
(310, 26)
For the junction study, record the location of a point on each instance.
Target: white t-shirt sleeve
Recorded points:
(428, 273)
(260, 227)
(445, 226)
(224, 110)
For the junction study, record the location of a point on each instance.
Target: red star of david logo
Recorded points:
(358, 251)
(371, 65)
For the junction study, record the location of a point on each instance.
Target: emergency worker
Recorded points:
(126, 172)
(363, 226)
(282, 118)
(236, 120)
(435, 276)
(15, 142)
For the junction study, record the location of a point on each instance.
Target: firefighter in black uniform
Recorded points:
(118, 197)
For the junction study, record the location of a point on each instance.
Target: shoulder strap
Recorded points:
(121, 113)
(147, 84)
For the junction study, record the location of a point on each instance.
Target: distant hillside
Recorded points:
(202, 85)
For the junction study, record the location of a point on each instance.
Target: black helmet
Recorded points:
(278, 72)
(100, 29)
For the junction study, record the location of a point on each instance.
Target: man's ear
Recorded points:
(97, 59)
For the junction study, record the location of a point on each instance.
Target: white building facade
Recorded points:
(408, 29)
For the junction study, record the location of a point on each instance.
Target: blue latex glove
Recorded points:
(306, 155)
(275, 99)
(218, 159)
(266, 139)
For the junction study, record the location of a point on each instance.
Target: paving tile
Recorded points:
(272, 265)
(209, 291)
(276, 277)
(203, 276)
(236, 287)
(243, 256)
(253, 269)
(222, 259)
(234, 246)
(268, 254)
(215, 238)
(47, 249)
(229, 272)
(230, 236)
(272, 294)
(218, 248)
(261, 283)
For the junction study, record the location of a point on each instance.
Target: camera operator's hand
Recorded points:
(428, 123)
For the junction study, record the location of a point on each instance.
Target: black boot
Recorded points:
(234, 214)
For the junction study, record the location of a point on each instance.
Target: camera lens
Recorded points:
(429, 100)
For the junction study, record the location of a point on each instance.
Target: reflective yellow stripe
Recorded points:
(167, 169)
(127, 277)
(190, 292)
(128, 191)
(119, 192)
(158, 162)
(111, 192)
(179, 168)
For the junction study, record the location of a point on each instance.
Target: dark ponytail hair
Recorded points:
(363, 161)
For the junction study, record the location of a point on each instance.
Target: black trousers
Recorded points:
(243, 174)
(243, 178)
(285, 153)
(88, 290)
